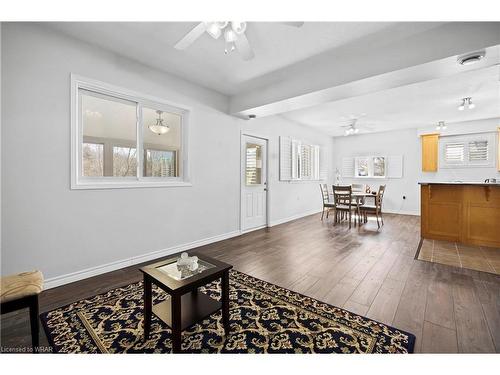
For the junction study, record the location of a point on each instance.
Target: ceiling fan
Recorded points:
(352, 127)
(233, 33)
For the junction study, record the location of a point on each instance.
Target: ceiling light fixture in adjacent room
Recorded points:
(441, 126)
(159, 127)
(466, 103)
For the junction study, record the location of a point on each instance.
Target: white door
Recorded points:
(253, 182)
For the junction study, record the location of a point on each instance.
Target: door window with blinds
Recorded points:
(125, 139)
(465, 151)
(253, 164)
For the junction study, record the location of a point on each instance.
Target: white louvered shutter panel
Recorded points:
(395, 166)
(285, 158)
(478, 151)
(347, 167)
(454, 153)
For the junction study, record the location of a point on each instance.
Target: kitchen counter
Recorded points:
(460, 183)
(463, 212)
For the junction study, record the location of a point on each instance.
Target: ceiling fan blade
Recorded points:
(191, 36)
(244, 47)
(293, 24)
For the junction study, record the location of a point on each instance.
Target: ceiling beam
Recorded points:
(379, 62)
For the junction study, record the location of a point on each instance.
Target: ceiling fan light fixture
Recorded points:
(238, 27)
(221, 24)
(441, 126)
(230, 47)
(230, 36)
(470, 105)
(214, 30)
(461, 107)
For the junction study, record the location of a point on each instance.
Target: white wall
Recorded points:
(60, 231)
(402, 142)
(289, 199)
(407, 143)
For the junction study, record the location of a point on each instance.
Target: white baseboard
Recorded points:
(401, 212)
(94, 271)
(98, 270)
(294, 217)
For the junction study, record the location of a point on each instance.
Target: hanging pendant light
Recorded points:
(159, 127)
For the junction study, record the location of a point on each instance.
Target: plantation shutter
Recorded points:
(285, 158)
(454, 152)
(478, 151)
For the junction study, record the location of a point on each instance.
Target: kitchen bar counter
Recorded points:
(461, 183)
(465, 212)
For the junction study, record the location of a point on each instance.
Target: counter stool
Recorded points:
(21, 291)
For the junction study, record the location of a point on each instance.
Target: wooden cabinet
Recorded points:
(468, 214)
(430, 152)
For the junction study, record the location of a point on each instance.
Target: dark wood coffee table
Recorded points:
(186, 306)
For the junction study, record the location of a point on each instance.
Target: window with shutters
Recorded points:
(465, 151)
(369, 167)
(123, 139)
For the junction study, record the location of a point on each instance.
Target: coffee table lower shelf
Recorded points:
(195, 306)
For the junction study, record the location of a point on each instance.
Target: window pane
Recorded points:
(379, 166)
(253, 171)
(305, 161)
(111, 123)
(162, 143)
(160, 163)
(124, 161)
(362, 167)
(92, 159)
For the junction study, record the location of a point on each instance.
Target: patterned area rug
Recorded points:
(264, 318)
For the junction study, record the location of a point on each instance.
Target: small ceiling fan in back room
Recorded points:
(352, 125)
(233, 33)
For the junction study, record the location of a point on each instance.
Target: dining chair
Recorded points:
(375, 209)
(327, 204)
(342, 198)
(358, 187)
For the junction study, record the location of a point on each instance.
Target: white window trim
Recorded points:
(465, 139)
(80, 182)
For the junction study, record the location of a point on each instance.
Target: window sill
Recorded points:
(127, 185)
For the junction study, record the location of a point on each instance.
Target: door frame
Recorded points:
(268, 193)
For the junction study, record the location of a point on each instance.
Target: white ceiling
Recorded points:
(434, 97)
(418, 105)
(276, 46)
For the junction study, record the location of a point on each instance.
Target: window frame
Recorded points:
(465, 140)
(371, 166)
(78, 181)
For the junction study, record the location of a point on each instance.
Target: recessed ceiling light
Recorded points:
(471, 58)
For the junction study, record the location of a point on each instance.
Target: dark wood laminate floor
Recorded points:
(369, 272)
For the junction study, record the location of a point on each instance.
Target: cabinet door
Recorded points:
(430, 152)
